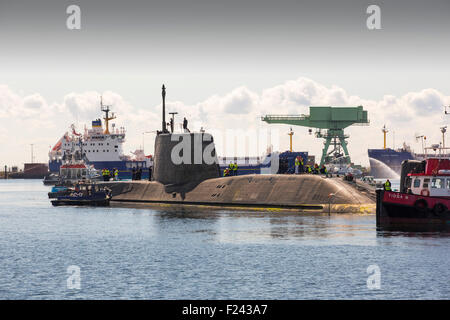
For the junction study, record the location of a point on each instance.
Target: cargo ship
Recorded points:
(100, 147)
(387, 162)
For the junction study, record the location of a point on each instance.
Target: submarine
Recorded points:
(186, 172)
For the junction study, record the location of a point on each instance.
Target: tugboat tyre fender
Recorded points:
(439, 209)
(425, 192)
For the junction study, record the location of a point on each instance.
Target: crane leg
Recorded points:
(344, 146)
(325, 149)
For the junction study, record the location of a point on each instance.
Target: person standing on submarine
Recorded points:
(230, 168)
(139, 173)
(171, 125)
(185, 123)
(301, 168)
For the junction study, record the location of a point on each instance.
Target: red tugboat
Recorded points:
(424, 195)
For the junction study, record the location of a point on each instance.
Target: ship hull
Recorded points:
(395, 208)
(70, 202)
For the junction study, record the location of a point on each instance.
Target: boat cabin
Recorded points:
(87, 188)
(73, 171)
(435, 181)
(433, 186)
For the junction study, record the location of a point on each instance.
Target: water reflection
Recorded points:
(230, 226)
(418, 231)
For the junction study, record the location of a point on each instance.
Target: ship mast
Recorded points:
(443, 130)
(164, 125)
(106, 110)
(384, 130)
(423, 138)
(290, 134)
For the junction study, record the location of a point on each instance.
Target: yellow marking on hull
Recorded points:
(335, 208)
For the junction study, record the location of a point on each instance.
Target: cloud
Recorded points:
(86, 105)
(239, 101)
(9, 102)
(425, 101)
(28, 118)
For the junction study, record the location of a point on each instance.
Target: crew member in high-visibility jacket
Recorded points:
(230, 168)
(301, 167)
(226, 172)
(316, 169)
(235, 168)
(105, 175)
(297, 165)
(116, 174)
(387, 185)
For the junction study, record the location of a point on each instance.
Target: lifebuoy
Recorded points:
(425, 192)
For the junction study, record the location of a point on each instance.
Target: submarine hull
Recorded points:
(300, 192)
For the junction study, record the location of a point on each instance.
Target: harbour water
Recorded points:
(202, 253)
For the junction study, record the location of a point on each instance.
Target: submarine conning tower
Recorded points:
(183, 159)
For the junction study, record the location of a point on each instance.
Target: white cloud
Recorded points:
(30, 118)
(239, 101)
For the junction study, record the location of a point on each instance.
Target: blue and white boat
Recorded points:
(101, 147)
(83, 195)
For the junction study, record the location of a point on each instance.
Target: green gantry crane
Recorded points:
(331, 119)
